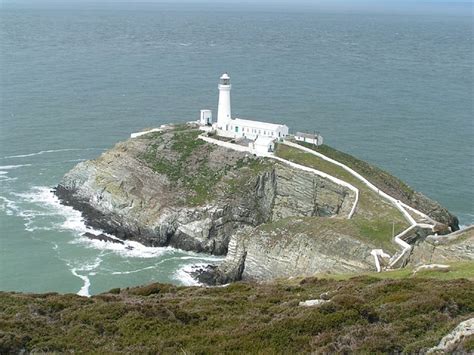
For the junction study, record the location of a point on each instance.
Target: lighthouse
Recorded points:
(223, 110)
(260, 133)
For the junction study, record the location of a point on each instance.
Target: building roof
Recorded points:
(306, 135)
(257, 124)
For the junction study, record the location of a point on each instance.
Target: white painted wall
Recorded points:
(223, 109)
(318, 140)
(205, 117)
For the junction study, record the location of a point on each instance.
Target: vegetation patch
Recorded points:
(375, 175)
(375, 219)
(373, 233)
(365, 314)
(184, 159)
(195, 176)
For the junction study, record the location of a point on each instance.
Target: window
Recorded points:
(236, 129)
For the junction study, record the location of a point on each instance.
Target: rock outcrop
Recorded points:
(271, 220)
(170, 188)
(457, 246)
(450, 343)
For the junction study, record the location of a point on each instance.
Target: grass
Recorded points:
(184, 144)
(373, 233)
(374, 217)
(184, 159)
(457, 270)
(375, 175)
(366, 314)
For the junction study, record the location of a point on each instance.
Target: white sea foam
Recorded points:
(8, 206)
(84, 291)
(129, 249)
(183, 275)
(204, 258)
(48, 205)
(5, 178)
(4, 170)
(9, 167)
(49, 151)
(133, 271)
(88, 268)
(74, 160)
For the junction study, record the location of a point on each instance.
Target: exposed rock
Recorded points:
(312, 303)
(433, 209)
(102, 237)
(171, 189)
(283, 251)
(457, 246)
(433, 267)
(451, 341)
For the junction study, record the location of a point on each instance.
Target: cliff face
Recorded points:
(271, 220)
(170, 188)
(296, 247)
(392, 185)
(457, 246)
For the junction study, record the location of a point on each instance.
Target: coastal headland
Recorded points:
(288, 214)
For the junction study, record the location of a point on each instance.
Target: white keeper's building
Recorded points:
(262, 133)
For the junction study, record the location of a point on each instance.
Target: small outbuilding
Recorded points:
(263, 145)
(315, 139)
(205, 118)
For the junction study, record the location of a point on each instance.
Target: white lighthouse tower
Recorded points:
(223, 111)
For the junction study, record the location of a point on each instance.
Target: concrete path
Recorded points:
(294, 165)
(402, 207)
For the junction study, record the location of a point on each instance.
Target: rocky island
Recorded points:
(301, 223)
(271, 219)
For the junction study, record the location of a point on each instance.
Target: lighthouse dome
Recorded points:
(225, 76)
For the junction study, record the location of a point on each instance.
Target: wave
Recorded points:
(204, 258)
(183, 275)
(133, 271)
(197, 257)
(9, 167)
(41, 152)
(129, 249)
(8, 206)
(5, 178)
(84, 290)
(48, 205)
(43, 203)
(41, 210)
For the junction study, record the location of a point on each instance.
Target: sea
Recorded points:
(394, 89)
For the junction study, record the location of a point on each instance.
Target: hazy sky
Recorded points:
(424, 6)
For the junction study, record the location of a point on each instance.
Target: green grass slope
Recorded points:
(374, 217)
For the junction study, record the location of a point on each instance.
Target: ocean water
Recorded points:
(395, 90)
